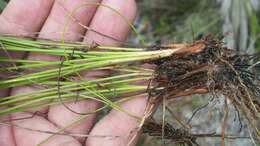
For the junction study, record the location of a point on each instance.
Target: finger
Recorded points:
(62, 13)
(84, 107)
(118, 123)
(24, 17)
(6, 133)
(37, 134)
(105, 21)
(110, 23)
(14, 20)
(55, 23)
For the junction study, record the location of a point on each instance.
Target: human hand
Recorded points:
(47, 17)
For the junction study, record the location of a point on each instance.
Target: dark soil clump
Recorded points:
(212, 68)
(178, 136)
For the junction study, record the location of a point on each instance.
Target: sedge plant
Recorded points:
(204, 66)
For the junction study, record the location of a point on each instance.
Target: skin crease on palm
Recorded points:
(23, 17)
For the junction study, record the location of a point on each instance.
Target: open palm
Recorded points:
(48, 17)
